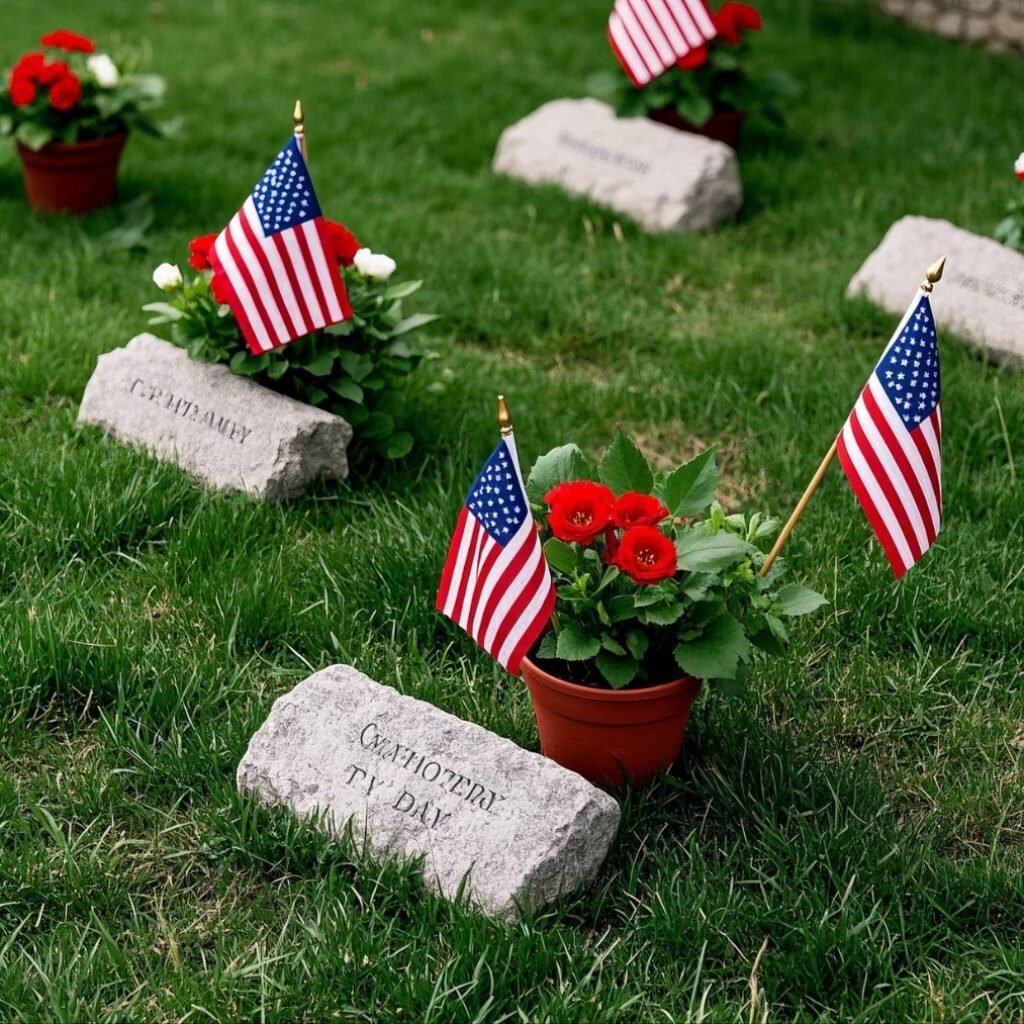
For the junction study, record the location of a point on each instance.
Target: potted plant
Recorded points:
(356, 369)
(712, 90)
(658, 592)
(1010, 230)
(69, 110)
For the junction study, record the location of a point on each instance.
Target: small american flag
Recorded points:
(891, 446)
(496, 583)
(649, 36)
(275, 259)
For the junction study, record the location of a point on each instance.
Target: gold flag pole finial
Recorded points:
(504, 420)
(300, 129)
(934, 274)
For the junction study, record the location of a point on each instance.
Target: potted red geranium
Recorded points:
(658, 592)
(69, 109)
(712, 90)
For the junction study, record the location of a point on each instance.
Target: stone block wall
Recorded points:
(996, 23)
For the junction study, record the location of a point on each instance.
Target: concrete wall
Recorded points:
(997, 23)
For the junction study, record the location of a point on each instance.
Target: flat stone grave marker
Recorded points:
(665, 179)
(980, 297)
(410, 780)
(222, 428)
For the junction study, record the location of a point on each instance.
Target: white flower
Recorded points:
(1018, 167)
(104, 70)
(167, 277)
(374, 264)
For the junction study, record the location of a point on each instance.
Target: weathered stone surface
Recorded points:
(665, 179)
(224, 429)
(998, 23)
(414, 780)
(980, 297)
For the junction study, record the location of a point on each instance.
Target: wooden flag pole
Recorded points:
(300, 131)
(504, 420)
(934, 274)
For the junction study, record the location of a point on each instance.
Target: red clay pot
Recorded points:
(610, 736)
(723, 127)
(72, 177)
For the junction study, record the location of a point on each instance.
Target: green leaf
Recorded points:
(378, 424)
(548, 646)
(33, 136)
(695, 109)
(320, 365)
(664, 616)
(248, 365)
(402, 290)
(166, 313)
(347, 389)
(356, 365)
(561, 556)
(624, 467)
(575, 645)
(617, 671)
(610, 644)
(717, 653)
(699, 552)
(794, 600)
(637, 643)
(690, 489)
(342, 330)
(622, 607)
(277, 368)
(399, 445)
(557, 466)
(414, 322)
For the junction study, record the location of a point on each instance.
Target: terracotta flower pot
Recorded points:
(72, 177)
(723, 127)
(610, 736)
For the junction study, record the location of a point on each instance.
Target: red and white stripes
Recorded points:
(649, 36)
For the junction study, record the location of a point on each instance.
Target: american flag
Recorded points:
(276, 260)
(496, 583)
(649, 36)
(891, 446)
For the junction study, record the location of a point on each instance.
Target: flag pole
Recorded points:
(300, 131)
(504, 420)
(933, 275)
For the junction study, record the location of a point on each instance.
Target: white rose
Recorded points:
(167, 277)
(1019, 166)
(104, 70)
(374, 264)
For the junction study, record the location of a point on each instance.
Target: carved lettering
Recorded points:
(409, 806)
(596, 152)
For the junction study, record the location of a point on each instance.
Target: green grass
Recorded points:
(859, 810)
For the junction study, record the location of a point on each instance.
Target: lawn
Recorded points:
(845, 841)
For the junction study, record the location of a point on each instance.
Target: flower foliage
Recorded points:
(68, 92)
(709, 80)
(653, 579)
(356, 369)
(1010, 230)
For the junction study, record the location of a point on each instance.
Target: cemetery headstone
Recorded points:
(224, 429)
(982, 293)
(663, 178)
(410, 780)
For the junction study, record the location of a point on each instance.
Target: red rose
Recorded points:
(634, 509)
(22, 91)
(29, 66)
(694, 59)
(70, 41)
(66, 92)
(734, 19)
(198, 249)
(220, 290)
(343, 242)
(580, 510)
(51, 73)
(647, 555)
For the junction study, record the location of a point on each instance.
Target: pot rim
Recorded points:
(57, 146)
(594, 693)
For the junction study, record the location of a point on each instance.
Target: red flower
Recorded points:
(343, 242)
(48, 74)
(734, 19)
(634, 509)
(647, 555)
(70, 41)
(66, 92)
(219, 290)
(580, 510)
(22, 91)
(694, 59)
(29, 66)
(198, 249)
